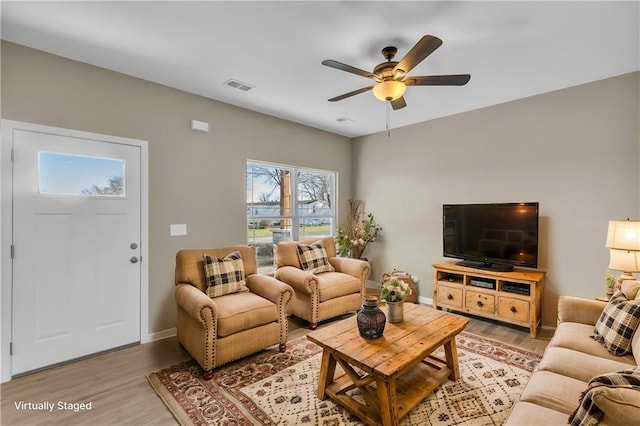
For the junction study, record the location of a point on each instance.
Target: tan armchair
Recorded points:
(218, 330)
(325, 295)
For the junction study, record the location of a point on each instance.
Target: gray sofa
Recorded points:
(569, 362)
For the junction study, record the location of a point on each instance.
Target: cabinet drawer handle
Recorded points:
(449, 297)
(480, 304)
(513, 309)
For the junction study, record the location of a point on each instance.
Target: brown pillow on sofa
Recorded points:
(313, 258)
(617, 324)
(630, 289)
(224, 276)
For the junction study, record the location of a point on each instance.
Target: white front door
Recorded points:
(76, 238)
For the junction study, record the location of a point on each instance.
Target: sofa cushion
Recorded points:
(576, 336)
(579, 365)
(529, 414)
(617, 323)
(224, 276)
(336, 284)
(313, 258)
(621, 404)
(604, 388)
(243, 311)
(554, 391)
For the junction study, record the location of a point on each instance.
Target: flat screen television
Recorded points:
(495, 236)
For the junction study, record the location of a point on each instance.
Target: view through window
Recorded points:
(68, 174)
(287, 203)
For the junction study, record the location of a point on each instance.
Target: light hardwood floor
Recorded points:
(115, 382)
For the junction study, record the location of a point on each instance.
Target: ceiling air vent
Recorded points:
(236, 84)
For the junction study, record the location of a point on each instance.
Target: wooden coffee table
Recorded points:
(393, 373)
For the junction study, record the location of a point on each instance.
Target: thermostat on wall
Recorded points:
(200, 126)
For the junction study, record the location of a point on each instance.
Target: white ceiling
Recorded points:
(511, 49)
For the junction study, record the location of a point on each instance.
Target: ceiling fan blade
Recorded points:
(423, 48)
(348, 68)
(438, 80)
(398, 103)
(347, 95)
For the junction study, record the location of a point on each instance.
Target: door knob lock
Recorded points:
(133, 246)
(133, 259)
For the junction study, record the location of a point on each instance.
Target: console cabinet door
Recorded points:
(513, 309)
(449, 296)
(480, 302)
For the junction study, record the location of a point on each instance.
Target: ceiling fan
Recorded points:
(391, 76)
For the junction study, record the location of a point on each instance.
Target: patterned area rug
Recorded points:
(273, 388)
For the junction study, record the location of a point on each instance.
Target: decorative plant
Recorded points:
(611, 283)
(353, 240)
(394, 290)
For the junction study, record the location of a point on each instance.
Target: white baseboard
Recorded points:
(425, 300)
(159, 335)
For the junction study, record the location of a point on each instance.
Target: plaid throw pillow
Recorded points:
(313, 258)
(617, 323)
(224, 276)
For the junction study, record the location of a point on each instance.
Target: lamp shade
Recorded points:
(389, 90)
(624, 235)
(625, 261)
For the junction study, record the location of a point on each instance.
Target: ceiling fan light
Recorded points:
(389, 90)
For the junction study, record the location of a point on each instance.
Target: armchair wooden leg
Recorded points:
(313, 325)
(207, 374)
(282, 346)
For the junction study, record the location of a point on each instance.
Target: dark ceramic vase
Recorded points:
(371, 320)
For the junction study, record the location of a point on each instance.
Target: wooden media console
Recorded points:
(513, 297)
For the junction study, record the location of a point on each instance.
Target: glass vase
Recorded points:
(371, 320)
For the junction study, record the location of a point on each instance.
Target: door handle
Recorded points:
(133, 259)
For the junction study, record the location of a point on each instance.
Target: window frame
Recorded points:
(296, 217)
(47, 163)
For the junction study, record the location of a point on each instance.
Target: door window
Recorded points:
(68, 174)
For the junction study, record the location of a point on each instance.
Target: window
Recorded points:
(272, 214)
(67, 174)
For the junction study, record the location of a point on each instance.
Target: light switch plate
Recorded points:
(178, 229)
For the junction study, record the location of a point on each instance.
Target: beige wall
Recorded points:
(195, 178)
(576, 151)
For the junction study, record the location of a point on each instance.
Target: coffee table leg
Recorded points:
(327, 372)
(451, 354)
(388, 399)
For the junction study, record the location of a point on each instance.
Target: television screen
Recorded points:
(494, 236)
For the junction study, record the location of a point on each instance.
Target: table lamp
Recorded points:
(623, 241)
